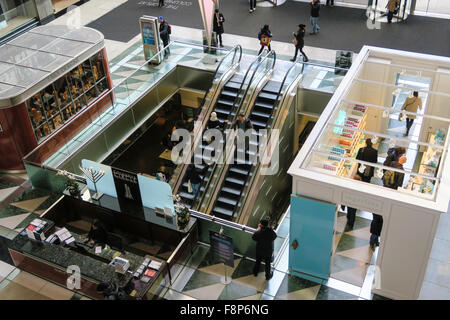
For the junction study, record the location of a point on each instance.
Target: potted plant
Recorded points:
(70, 184)
(182, 212)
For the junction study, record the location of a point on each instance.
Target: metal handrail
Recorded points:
(258, 60)
(235, 50)
(268, 72)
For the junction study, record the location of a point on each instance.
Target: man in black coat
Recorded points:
(375, 230)
(164, 34)
(300, 42)
(368, 154)
(218, 26)
(264, 237)
(243, 123)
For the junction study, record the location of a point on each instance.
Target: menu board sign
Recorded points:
(222, 248)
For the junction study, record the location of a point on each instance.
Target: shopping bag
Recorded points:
(190, 186)
(294, 41)
(265, 40)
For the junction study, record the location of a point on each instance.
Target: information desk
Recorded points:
(51, 261)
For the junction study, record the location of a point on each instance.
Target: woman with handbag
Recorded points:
(299, 42)
(411, 105)
(392, 7)
(264, 36)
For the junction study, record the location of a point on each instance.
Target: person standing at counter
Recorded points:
(368, 154)
(97, 234)
(411, 105)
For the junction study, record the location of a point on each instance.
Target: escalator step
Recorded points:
(231, 191)
(261, 114)
(225, 102)
(235, 181)
(272, 87)
(267, 95)
(264, 104)
(222, 211)
(229, 201)
(239, 170)
(232, 86)
(228, 93)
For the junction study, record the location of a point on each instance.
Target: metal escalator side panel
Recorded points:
(257, 178)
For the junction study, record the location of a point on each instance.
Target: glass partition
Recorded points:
(14, 14)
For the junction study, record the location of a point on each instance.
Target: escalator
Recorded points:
(224, 110)
(237, 175)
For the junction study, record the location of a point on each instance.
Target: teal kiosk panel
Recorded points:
(311, 237)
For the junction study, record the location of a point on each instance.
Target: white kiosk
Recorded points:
(367, 105)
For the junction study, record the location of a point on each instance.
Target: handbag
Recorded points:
(294, 41)
(265, 40)
(190, 186)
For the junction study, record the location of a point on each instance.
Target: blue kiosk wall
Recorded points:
(311, 226)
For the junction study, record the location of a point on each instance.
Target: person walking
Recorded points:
(393, 154)
(375, 230)
(164, 33)
(161, 3)
(264, 237)
(264, 36)
(193, 175)
(368, 154)
(330, 3)
(314, 18)
(351, 212)
(393, 179)
(218, 26)
(392, 7)
(299, 42)
(252, 6)
(411, 105)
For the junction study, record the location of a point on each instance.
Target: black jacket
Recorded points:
(218, 26)
(315, 8)
(193, 174)
(266, 32)
(299, 36)
(215, 124)
(164, 32)
(264, 241)
(398, 177)
(247, 124)
(369, 155)
(98, 235)
(376, 225)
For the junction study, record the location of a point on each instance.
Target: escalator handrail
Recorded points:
(257, 61)
(234, 50)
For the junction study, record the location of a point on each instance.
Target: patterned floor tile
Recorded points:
(258, 283)
(211, 292)
(363, 233)
(200, 279)
(5, 193)
(10, 211)
(353, 276)
(15, 291)
(349, 242)
(30, 205)
(292, 283)
(220, 269)
(174, 295)
(254, 297)
(340, 263)
(326, 293)
(244, 268)
(235, 291)
(360, 253)
(304, 294)
(14, 221)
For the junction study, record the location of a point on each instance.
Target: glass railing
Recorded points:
(111, 105)
(13, 18)
(321, 77)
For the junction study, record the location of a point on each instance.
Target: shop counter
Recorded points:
(51, 261)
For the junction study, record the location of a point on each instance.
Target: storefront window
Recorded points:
(433, 7)
(52, 107)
